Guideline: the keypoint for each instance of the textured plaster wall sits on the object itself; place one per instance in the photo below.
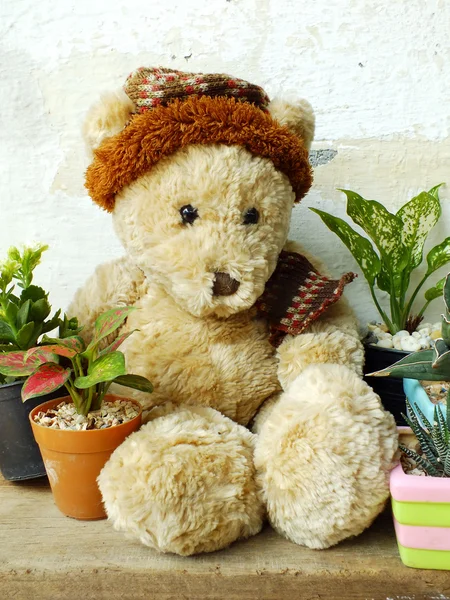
(376, 71)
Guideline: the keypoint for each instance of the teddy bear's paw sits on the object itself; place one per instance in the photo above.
(323, 457)
(184, 483)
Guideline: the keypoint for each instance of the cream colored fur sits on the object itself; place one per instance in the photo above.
(186, 482)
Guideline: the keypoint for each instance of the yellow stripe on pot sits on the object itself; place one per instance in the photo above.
(424, 514)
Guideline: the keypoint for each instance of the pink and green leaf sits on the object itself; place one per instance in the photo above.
(109, 321)
(17, 364)
(116, 343)
(105, 368)
(75, 342)
(48, 378)
(53, 349)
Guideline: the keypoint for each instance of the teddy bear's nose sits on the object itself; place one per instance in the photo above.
(224, 285)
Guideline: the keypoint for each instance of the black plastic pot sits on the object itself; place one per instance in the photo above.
(19, 454)
(390, 389)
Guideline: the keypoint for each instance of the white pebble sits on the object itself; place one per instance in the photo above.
(417, 335)
(397, 343)
(410, 344)
(402, 333)
(424, 326)
(424, 331)
(424, 343)
(386, 343)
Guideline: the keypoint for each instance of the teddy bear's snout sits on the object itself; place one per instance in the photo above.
(224, 285)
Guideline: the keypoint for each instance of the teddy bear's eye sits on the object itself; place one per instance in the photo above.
(188, 213)
(251, 216)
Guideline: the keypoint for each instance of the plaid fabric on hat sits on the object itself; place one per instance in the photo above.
(149, 87)
(296, 295)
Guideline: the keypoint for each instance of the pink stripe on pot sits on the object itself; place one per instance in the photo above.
(425, 538)
(413, 488)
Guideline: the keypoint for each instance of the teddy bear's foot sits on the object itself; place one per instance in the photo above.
(185, 482)
(323, 456)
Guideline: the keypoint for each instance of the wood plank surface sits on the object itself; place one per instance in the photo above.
(46, 556)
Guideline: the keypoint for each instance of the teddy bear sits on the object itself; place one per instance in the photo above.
(259, 409)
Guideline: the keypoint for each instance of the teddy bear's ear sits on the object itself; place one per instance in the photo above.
(107, 117)
(297, 116)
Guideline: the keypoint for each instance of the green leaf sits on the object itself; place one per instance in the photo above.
(445, 328)
(40, 310)
(417, 365)
(438, 256)
(419, 216)
(33, 292)
(48, 378)
(435, 190)
(11, 313)
(105, 368)
(384, 229)
(137, 382)
(52, 323)
(442, 356)
(109, 321)
(25, 335)
(6, 333)
(435, 291)
(358, 245)
(22, 314)
(447, 294)
(16, 364)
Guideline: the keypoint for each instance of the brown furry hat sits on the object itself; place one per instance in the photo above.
(173, 109)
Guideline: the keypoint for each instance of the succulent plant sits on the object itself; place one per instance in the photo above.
(431, 365)
(85, 372)
(399, 240)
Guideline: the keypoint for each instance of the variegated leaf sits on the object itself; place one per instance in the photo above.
(110, 320)
(419, 216)
(74, 342)
(384, 228)
(417, 365)
(359, 246)
(445, 328)
(16, 364)
(435, 291)
(438, 256)
(48, 378)
(447, 295)
(116, 343)
(105, 368)
(53, 349)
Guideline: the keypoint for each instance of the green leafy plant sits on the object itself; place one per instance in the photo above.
(25, 317)
(86, 372)
(399, 240)
(431, 365)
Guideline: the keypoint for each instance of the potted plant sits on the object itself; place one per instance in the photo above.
(24, 319)
(421, 504)
(387, 256)
(78, 433)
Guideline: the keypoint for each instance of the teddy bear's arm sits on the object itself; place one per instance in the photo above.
(333, 338)
(116, 283)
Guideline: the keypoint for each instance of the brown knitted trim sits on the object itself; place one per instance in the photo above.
(161, 131)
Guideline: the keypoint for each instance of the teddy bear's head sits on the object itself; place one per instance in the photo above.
(200, 173)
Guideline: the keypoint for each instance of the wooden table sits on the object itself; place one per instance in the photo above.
(46, 556)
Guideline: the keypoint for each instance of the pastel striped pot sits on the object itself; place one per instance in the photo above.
(421, 507)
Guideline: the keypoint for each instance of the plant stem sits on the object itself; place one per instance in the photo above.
(413, 297)
(381, 311)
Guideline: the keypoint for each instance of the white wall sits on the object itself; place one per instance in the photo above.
(376, 71)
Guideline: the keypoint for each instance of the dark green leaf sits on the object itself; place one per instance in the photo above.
(358, 245)
(105, 368)
(33, 292)
(417, 365)
(40, 310)
(52, 323)
(22, 315)
(24, 335)
(137, 382)
(447, 294)
(6, 333)
(11, 313)
(445, 327)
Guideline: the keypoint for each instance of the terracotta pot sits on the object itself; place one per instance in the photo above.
(73, 460)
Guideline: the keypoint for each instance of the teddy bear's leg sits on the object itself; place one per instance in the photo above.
(185, 482)
(323, 456)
